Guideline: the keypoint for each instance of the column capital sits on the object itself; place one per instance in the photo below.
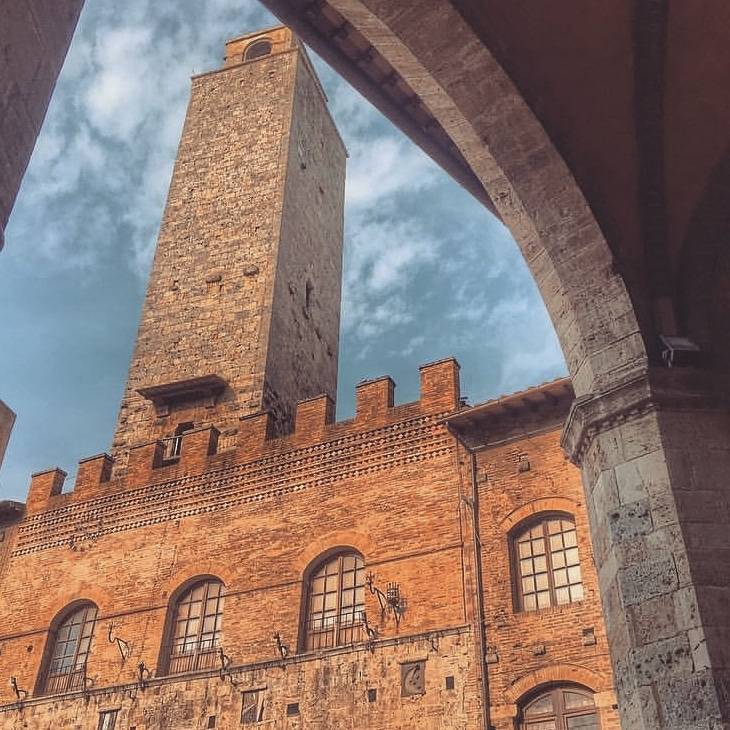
(679, 389)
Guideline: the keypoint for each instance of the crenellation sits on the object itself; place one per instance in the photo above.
(313, 416)
(440, 387)
(92, 472)
(374, 398)
(197, 447)
(43, 486)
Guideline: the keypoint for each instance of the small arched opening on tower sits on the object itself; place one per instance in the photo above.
(258, 49)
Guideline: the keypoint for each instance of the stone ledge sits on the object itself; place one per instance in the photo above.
(680, 389)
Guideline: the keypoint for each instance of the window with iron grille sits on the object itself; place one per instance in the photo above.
(560, 708)
(108, 720)
(69, 652)
(253, 707)
(547, 563)
(335, 602)
(195, 628)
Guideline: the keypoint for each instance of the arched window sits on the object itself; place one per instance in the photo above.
(335, 602)
(547, 563)
(560, 708)
(68, 651)
(257, 49)
(194, 629)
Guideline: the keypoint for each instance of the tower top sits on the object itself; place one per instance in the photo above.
(252, 46)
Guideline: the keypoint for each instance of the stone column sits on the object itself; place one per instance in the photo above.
(655, 457)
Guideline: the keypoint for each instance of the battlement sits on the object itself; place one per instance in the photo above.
(198, 451)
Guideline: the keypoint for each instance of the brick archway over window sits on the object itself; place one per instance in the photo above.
(526, 511)
(555, 674)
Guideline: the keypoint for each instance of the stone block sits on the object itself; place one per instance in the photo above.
(647, 580)
(655, 662)
(630, 520)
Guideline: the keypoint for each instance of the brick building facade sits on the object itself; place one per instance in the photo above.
(241, 558)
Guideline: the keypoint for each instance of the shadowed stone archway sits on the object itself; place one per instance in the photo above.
(639, 432)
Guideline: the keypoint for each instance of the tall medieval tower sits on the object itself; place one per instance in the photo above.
(242, 309)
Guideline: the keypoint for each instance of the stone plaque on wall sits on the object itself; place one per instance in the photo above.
(413, 678)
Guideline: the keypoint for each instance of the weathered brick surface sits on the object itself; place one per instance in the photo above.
(508, 497)
(34, 38)
(246, 279)
(389, 483)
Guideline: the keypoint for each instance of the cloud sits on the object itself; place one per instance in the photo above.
(118, 95)
(382, 167)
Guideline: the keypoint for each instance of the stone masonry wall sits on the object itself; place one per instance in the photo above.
(211, 296)
(305, 316)
(330, 691)
(34, 38)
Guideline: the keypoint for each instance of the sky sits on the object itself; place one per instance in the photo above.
(428, 271)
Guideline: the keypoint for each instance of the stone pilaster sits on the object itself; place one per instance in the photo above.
(655, 455)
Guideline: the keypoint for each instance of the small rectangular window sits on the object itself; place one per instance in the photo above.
(108, 719)
(372, 695)
(253, 707)
(292, 709)
(449, 682)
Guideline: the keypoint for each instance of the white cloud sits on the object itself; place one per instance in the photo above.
(381, 167)
(116, 99)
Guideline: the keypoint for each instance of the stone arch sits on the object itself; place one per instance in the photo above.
(531, 186)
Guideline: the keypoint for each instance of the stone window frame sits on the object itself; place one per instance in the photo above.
(559, 712)
(541, 519)
(83, 614)
(206, 650)
(318, 630)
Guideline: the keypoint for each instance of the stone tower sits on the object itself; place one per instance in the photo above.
(242, 308)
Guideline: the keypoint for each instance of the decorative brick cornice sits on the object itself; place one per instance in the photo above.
(656, 389)
(286, 472)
